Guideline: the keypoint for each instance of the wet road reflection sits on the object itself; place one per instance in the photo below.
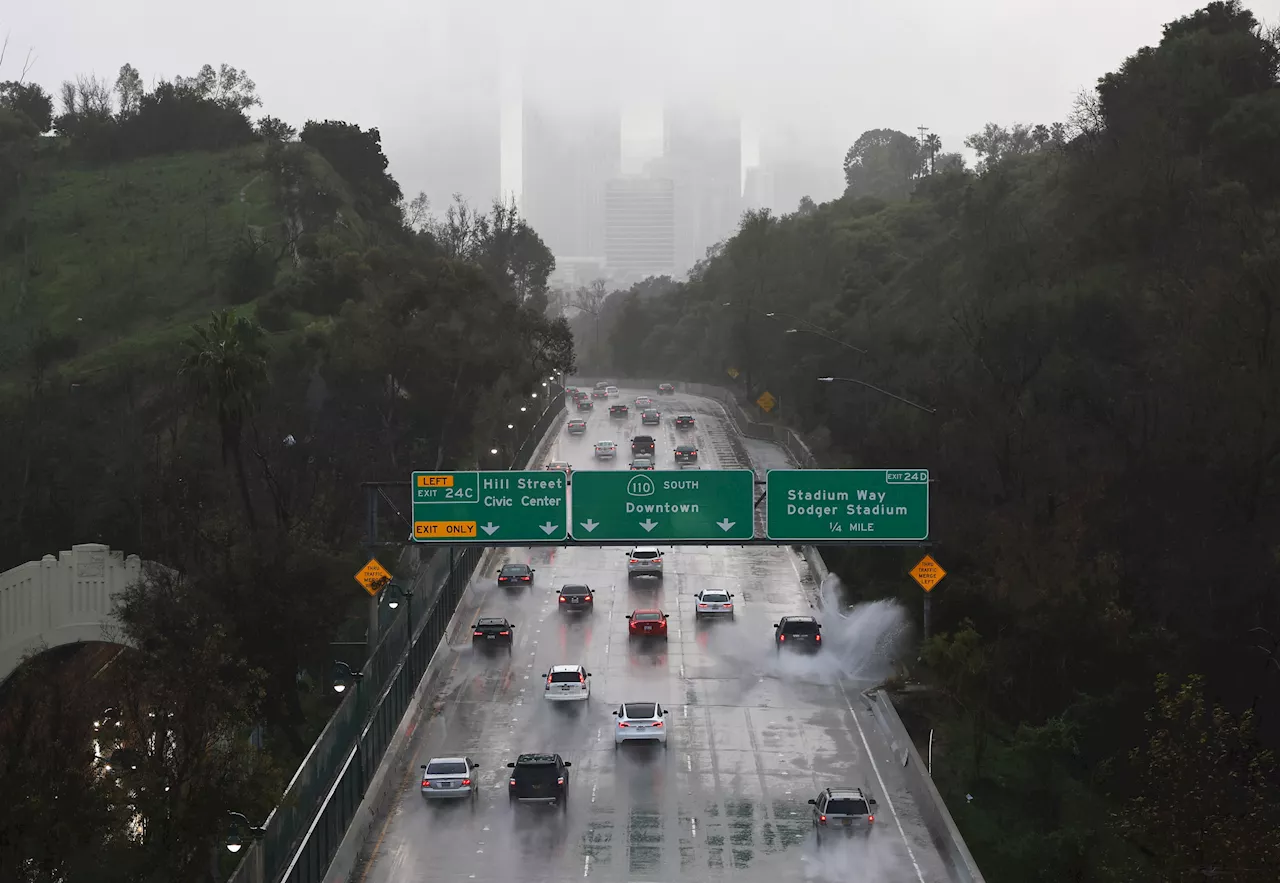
(751, 735)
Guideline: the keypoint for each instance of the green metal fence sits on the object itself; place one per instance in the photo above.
(303, 833)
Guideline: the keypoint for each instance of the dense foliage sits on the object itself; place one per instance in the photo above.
(1093, 314)
(344, 341)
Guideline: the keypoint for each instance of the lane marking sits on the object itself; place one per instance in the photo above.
(884, 791)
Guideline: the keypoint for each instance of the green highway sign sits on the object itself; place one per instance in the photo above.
(847, 504)
(494, 507)
(664, 505)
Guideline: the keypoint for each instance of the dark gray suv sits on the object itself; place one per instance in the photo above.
(842, 812)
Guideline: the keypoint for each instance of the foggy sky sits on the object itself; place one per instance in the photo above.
(812, 74)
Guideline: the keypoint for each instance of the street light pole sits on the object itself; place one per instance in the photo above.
(824, 336)
(886, 392)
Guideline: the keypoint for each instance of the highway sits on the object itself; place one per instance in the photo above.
(752, 735)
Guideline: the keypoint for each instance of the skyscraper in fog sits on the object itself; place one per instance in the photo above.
(458, 113)
(702, 153)
(566, 157)
(639, 228)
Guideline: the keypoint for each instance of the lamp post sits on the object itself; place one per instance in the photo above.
(344, 676)
(395, 593)
(891, 395)
(824, 336)
(234, 841)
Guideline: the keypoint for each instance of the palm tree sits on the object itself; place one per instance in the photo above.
(227, 368)
(932, 146)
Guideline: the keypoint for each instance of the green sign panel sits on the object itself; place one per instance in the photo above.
(847, 504)
(492, 507)
(664, 505)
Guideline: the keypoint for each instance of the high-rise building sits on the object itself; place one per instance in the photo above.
(757, 189)
(702, 154)
(454, 144)
(566, 159)
(639, 228)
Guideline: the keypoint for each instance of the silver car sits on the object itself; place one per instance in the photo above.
(644, 561)
(450, 777)
(713, 602)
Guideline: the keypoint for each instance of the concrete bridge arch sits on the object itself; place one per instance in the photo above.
(62, 600)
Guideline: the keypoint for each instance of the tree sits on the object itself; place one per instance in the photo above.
(275, 129)
(129, 90)
(996, 143)
(29, 100)
(226, 366)
(357, 156)
(1203, 796)
(882, 163)
(516, 256)
(417, 212)
(227, 87)
(962, 664)
(590, 299)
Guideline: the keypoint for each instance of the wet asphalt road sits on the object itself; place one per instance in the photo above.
(752, 736)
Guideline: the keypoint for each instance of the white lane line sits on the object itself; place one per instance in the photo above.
(586, 865)
(884, 791)
(593, 791)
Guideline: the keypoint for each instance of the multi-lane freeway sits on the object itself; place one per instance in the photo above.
(753, 735)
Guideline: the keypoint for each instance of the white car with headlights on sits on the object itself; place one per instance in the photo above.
(568, 683)
(640, 721)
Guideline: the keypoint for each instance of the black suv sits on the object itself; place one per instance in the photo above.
(686, 454)
(666, 389)
(493, 630)
(618, 410)
(797, 633)
(684, 421)
(539, 778)
(642, 445)
(575, 598)
(842, 812)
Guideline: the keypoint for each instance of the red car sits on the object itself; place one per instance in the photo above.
(647, 623)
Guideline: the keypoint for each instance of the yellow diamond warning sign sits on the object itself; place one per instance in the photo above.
(732, 372)
(373, 576)
(928, 573)
(766, 401)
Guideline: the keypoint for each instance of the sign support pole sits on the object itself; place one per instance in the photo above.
(928, 615)
(371, 527)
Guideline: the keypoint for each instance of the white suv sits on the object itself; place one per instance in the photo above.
(644, 561)
(568, 683)
(606, 449)
(612, 391)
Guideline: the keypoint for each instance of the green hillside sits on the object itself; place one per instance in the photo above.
(120, 258)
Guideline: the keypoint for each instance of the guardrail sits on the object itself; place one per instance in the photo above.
(303, 832)
(933, 809)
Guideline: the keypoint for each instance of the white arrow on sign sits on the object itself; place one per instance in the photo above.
(725, 524)
(648, 524)
(548, 528)
(590, 525)
(489, 528)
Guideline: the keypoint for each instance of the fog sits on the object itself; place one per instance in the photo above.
(442, 78)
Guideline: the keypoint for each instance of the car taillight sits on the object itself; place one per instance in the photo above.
(871, 818)
(582, 679)
(560, 781)
(479, 634)
(504, 633)
(588, 598)
(817, 637)
(466, 781)
(426, 783)
(623, 724)
(822, 820)
(728, 603)
(700, 604)
(635, 560)
(657, 560)
(657, 723)
(562, 599)
(525, 578)
(782, 637)
(513, 783)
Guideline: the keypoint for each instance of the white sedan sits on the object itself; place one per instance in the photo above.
(640, 720)
(606, 449)
(568, 683)
(713, 602)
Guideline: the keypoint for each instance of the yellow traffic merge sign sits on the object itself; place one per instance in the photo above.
(766, 401)
(928, 573)
(373, 576)
(733, 372)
